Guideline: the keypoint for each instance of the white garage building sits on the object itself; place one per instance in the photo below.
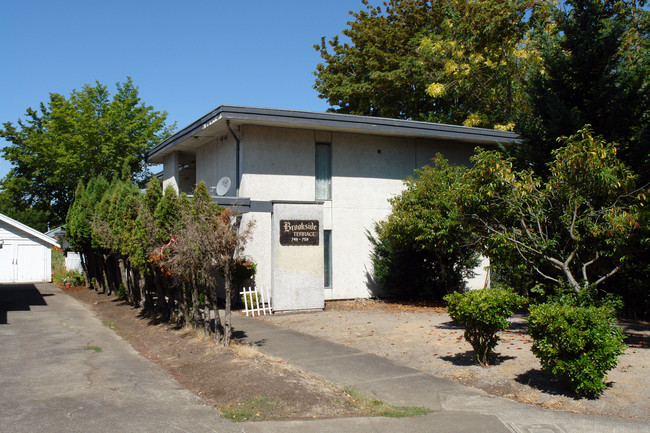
(313, 183)
(25, 255)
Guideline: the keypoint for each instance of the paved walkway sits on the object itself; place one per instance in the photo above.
(52, 380)
(458, 408)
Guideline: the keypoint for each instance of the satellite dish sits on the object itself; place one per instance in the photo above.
(223, 186)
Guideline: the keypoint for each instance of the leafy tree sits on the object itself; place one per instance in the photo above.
(445, 61)
(209, 244)
(378, 73)
(423, 249)
(79, 226)
(75, 139)
(575, 226)
(476, 62)
(594, 70)
(34, 218)
(167, 215)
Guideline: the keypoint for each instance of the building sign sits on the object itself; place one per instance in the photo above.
(299, 232)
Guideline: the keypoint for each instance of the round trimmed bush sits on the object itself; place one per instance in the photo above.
(483, 313)
(576, 344)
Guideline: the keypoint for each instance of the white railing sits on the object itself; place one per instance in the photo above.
(256, 300)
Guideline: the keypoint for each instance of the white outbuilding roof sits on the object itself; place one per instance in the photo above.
(28, 230)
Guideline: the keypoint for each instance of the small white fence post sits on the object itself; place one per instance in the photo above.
(259, 301)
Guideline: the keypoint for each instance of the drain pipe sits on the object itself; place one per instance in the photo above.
(236, 158)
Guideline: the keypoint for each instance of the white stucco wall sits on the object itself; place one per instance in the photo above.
(170, 171)
(258, 247)
(279, 164)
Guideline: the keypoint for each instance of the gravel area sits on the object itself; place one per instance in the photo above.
(427, 339)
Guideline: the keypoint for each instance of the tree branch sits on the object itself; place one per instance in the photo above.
(604, 277)
(584, 268)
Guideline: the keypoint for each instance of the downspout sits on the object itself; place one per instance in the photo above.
(236, 158)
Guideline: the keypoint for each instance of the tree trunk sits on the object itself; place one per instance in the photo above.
(161, 302)
(183, 309)
(207, 320)
(171, 304)
(196, 317)
(218, 326)
(227, 334)
(148, 292)
(137, 290)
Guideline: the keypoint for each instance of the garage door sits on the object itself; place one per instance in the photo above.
(22, 263)
(30, 263)
(7, 266)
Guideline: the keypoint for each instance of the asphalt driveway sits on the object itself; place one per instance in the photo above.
(62, 370)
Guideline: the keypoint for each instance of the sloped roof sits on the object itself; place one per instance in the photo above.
(26, 229)
(214, 124)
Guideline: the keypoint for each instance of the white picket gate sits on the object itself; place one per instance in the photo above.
(263, 303)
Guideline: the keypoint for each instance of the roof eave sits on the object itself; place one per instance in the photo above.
(332, 121)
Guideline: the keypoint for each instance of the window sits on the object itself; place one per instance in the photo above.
(323, 171)
(327, 243)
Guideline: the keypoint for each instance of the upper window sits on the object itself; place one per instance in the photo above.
(323, 171)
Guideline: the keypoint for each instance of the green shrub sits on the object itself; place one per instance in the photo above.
(245, 270)
(483, 313)
(58, 260)
(63, 277)
(590, 296)
(251, 299)
(576, 344)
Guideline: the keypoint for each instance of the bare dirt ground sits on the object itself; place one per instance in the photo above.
(420, 337)
(426, 338)
(222, 377)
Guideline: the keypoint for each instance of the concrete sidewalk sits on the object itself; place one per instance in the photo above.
(52, 380)
(458, 408)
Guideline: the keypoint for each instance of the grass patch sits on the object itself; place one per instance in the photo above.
(95, 348)
(375, 407)
(260, 407)
(249, 410)
(109, 325)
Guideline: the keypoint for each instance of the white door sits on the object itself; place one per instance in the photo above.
(8, 263)
(30, 263)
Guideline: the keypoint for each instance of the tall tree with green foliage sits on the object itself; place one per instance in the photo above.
(75, 139)
(443, 61)
(476, 62)
(424, 249)
(594, 70)
(378, 72)
(79, 226)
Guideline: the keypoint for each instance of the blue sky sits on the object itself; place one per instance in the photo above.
(186, 57)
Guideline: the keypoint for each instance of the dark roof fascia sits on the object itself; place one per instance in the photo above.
(188, 131)
(283, 117)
